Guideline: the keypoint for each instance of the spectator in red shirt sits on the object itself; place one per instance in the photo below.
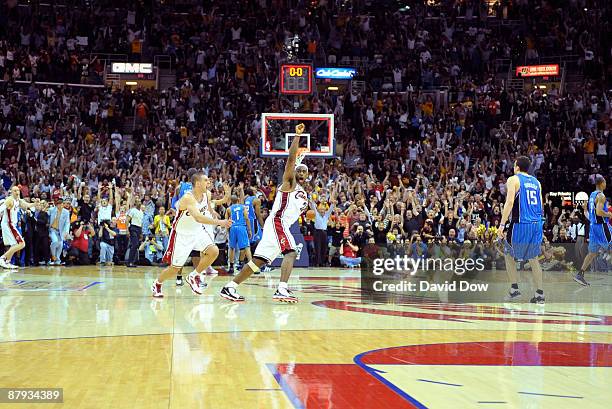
(77, 255)
(56, 191)
(348, 253)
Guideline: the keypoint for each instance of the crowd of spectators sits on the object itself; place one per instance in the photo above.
(411, 169)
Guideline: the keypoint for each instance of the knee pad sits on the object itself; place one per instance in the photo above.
(253, 266)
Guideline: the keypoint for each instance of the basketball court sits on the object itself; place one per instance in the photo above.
(98, 334)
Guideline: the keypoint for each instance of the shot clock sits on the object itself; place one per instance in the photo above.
(296, 79)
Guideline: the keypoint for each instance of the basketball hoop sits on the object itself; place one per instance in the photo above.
(278, 131)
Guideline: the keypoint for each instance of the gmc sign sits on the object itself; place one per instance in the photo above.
(131, 68)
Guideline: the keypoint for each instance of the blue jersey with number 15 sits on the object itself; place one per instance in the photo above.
(528, 203)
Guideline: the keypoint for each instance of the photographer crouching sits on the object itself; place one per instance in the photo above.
(153, 251)
(78, 253)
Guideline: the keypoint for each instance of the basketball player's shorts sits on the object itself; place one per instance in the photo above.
(276, 239)
(10, 235)
(211, 231)
(181, 245)
(256, 231)
(238, 237)
(524, 240)
(599, 237)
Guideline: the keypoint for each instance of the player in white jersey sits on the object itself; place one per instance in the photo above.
(188, 233)
(209, 212)
(290, 202)
(10, 235)
(212, 213)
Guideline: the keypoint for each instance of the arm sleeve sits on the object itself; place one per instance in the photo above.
(329, 211)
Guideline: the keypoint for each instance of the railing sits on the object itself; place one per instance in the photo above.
(109, 57)
(559, 59)
(500, 65)
(57, 84)
(162, 61)
(562, 85)
(512, 23)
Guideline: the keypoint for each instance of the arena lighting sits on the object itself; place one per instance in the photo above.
(332, 88)
(131, 83)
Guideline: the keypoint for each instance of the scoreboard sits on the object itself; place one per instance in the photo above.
(296, 79)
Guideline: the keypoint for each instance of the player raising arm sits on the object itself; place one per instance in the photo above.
(289, 203)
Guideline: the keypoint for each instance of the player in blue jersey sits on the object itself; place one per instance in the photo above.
(239, 233)
(599, 231)
(523, 235)
(253, 205)
(183, 188)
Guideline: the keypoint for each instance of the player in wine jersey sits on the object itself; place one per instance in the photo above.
(600, 238)
(523, 235)
(9, 210)
(239, 233)
(188, 234)
(290, 202)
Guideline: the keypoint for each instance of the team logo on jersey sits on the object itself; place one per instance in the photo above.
(301, 195)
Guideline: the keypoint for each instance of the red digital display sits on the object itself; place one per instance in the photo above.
(296, 79)
(537, 70)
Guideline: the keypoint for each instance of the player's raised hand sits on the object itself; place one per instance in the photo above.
(299, 128)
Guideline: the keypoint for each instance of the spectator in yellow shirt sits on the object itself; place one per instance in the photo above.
(427, 107)
(589, 151)
(161, 227)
